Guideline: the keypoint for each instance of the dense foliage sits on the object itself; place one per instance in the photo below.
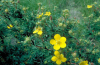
(41, 36)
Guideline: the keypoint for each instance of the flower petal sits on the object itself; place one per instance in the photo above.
(57, 37)
(89, 6)
(54, 58)
(63, 59)
(40, 32)
(62, 45)
(52, 41)
(86, 61)
(35, 31)
(56, 47)
(83, 63)
(56, 53)
(58, 61)
(62, 39)
(11, 25)
(8, 27)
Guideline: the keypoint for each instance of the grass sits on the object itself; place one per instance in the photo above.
(32, 4)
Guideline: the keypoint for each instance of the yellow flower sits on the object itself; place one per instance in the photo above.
(83, 63)
(59, 58)
(39, 16)
(38, 30)
(89, 6)
(8, 27)
(47, 14)
(99, 60)
(58, 42)
(11, 25)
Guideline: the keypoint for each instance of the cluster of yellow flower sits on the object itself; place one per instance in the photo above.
(58, 42)
(40, 15)
(38, 30)
(59, 58)
(10, 26)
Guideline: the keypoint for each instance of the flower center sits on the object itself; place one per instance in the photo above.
(39, 29)
(58, 42)
(59, 57)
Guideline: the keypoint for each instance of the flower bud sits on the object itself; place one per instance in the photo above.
(66, 11)
(70, 49)
(93, 52)
(95, 2)
(70, 32)
(13, 2)
(74, 54)
(95, 20)
(99, 60)
(98, 33)
(55, 7)
(2, 1)
(37, 23)
(64, 25)
(45, 62)
(24, 8)
(67, 21)
(88, 50)
(60, 24)
(39, 4)
(6, 10)
(43, 18)
(98, 19)
(76, 59)
(43, 7)
(27, 39)
(82, 14)
(97, 50)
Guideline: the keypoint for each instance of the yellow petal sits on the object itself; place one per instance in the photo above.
(42, 14)
(56, 53)
(83, 63)
(11, 25)
(57, 37)
(89, 6)
(52, 41)
(56, 47)
(47, 14)
(54, 58)
(62, 45)
(40, 32)
(62, 39)
(63, 59)
(86, 61)
(8, 27)
(35, 31)
(99, 60)
(58, 61)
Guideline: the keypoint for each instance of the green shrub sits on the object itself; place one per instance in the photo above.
(42, 36)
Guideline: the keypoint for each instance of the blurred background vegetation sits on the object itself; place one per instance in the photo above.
(61, 4)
